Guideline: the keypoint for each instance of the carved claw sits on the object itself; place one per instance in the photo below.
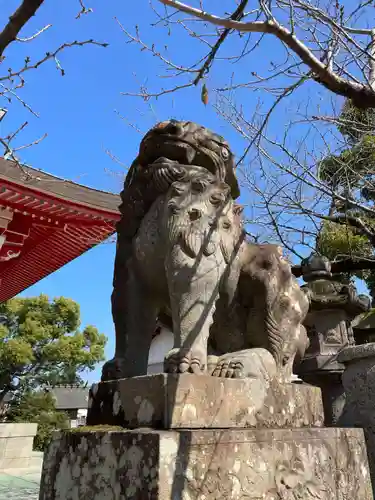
(250, 363)
(229, 369)
(185, 360)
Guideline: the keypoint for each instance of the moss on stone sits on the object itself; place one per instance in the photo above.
(96, 428)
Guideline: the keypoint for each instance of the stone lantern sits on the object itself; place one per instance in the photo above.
(333, 306)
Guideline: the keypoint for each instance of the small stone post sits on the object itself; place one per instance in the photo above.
(359, 385)
(333, 306)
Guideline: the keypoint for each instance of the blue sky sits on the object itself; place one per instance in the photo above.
(78, 111)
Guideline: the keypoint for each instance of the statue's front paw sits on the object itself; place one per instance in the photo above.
(229, 368)
(253, 363)
(114, 369)
(182, 360)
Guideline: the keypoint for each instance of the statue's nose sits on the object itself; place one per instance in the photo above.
(195, 214)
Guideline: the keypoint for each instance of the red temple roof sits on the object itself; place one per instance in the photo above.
(45, 222)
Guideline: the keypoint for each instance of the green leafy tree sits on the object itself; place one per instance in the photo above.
(350, 230)
(41, 343)
(336, 241)
(38, 407)
(68, 377)
(353, 170)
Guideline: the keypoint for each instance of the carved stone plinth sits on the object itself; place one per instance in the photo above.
(233, 464)
(359, 384)
(167, 401)
(216, 439)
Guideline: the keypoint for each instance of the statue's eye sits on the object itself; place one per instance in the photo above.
(225, 153)
(198, 185)
(216, 199)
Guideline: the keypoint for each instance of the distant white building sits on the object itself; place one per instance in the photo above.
(73, 400)
(161, 344)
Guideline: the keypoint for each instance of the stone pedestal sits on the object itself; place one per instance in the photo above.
(199, 402)
(308, 464)
(198, 437)
(359, 384)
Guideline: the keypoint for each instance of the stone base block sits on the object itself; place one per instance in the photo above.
(33, 461)
(16, 446)
(199, 401)
(18, 430)
(289, 464)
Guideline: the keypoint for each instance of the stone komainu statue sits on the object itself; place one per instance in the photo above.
(235, 307)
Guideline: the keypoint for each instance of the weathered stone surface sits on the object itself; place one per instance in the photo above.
(197, 401)
(294, 464)
(359, 384)
(359, 352)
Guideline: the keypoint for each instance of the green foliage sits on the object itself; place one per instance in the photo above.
(351, 174)
(55, 376)
(41, 342)
(356, 122)
(355, 164)
(39, 407)
(337, 240)
(352, 166)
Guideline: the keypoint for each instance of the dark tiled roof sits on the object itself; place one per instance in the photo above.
(70, 397)
(48, 222)
(60, 188)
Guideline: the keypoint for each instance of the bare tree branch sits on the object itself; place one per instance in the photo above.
(285, 140)
(51, 55)
(361, 94)
(12, 79)
(236, 16)
(17, 21)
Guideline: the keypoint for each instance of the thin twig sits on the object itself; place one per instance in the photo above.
(84, 10)
(32, 37)
(50, 55)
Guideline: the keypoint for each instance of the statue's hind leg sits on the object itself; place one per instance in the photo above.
(134, 313)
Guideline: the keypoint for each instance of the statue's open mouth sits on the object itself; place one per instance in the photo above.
(168, 146)
(176, 149)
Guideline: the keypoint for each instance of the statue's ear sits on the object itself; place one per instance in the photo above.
(231, 179)
(131, 172)
(238, 209)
